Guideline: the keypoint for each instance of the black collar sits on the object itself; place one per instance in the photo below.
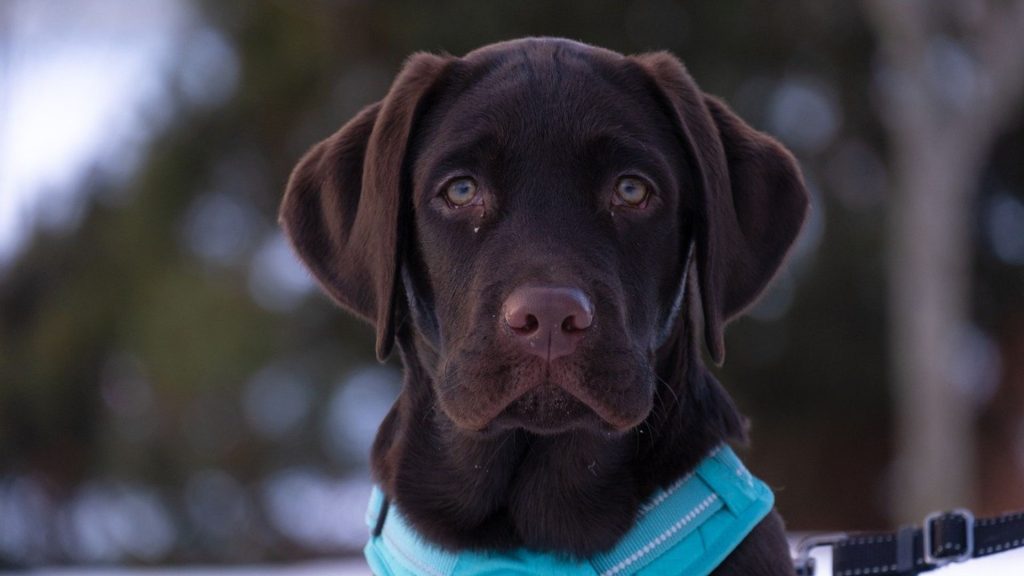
(944, 538)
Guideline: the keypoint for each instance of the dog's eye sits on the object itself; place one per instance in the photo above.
(631, 191)
(460, 192)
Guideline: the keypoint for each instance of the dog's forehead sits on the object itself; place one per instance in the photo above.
(542, 96)
(549, 78)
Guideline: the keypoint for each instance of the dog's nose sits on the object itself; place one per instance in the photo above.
(548, 321)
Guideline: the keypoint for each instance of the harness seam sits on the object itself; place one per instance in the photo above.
(647, 548)
(398, 548)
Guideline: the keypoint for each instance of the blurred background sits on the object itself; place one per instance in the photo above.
(174, 389)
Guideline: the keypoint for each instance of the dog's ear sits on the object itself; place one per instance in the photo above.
(343, 203)
(751, 203)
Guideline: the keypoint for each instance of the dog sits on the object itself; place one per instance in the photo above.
(522, 223)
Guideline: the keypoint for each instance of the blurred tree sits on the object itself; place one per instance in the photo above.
(952, 77)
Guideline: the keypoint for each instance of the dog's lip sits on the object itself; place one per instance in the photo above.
(547, 409)
(600, 408)
(472, 411)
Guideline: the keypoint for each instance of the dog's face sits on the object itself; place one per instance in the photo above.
(530, 209)
(547, 195)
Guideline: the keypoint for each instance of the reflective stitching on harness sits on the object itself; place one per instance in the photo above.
(661, 497)
(664, 495)
(647, 548)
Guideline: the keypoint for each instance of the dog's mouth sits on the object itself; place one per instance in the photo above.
(546, 410)
(602, 392)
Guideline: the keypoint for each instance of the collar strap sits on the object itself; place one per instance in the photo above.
(944, 538)
(689, 527)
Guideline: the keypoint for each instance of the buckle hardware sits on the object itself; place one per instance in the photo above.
(805, 565)
(926, 533)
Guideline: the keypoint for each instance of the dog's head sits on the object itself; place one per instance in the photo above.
(531, 209)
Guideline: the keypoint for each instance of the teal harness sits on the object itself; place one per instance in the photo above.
(687, 529)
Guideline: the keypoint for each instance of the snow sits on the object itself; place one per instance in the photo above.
(1005, 564)
(350, 567)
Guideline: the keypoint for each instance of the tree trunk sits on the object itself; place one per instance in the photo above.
(929, 288)
(953, 73)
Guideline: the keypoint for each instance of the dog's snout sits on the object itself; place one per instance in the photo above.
(548, 321)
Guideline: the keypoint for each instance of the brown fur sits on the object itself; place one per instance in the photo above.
(488, 447)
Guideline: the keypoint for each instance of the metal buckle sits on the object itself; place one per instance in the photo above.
(968, 551)
(804, 563)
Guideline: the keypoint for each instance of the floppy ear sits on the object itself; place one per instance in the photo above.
(343, 204)
(751, 203)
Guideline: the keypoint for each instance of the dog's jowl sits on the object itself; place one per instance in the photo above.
(539, 227)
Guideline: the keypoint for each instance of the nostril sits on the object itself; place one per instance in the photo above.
(521, 321)
(580, 317)
(530, 325)
(570, 324)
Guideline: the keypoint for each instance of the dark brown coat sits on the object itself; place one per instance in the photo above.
(489, 446)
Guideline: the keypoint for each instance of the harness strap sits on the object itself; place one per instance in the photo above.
(687, 528)
(944, 538)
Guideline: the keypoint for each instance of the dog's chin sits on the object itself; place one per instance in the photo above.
(548, 410)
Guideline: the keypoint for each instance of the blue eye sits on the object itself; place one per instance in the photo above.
(631, 191)
(460, 192)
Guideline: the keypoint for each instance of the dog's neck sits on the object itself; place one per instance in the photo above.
(494, 492)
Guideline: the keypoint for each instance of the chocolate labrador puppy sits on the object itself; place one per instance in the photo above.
(520, 222)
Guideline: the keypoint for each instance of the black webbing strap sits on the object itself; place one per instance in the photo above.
(946, 537)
